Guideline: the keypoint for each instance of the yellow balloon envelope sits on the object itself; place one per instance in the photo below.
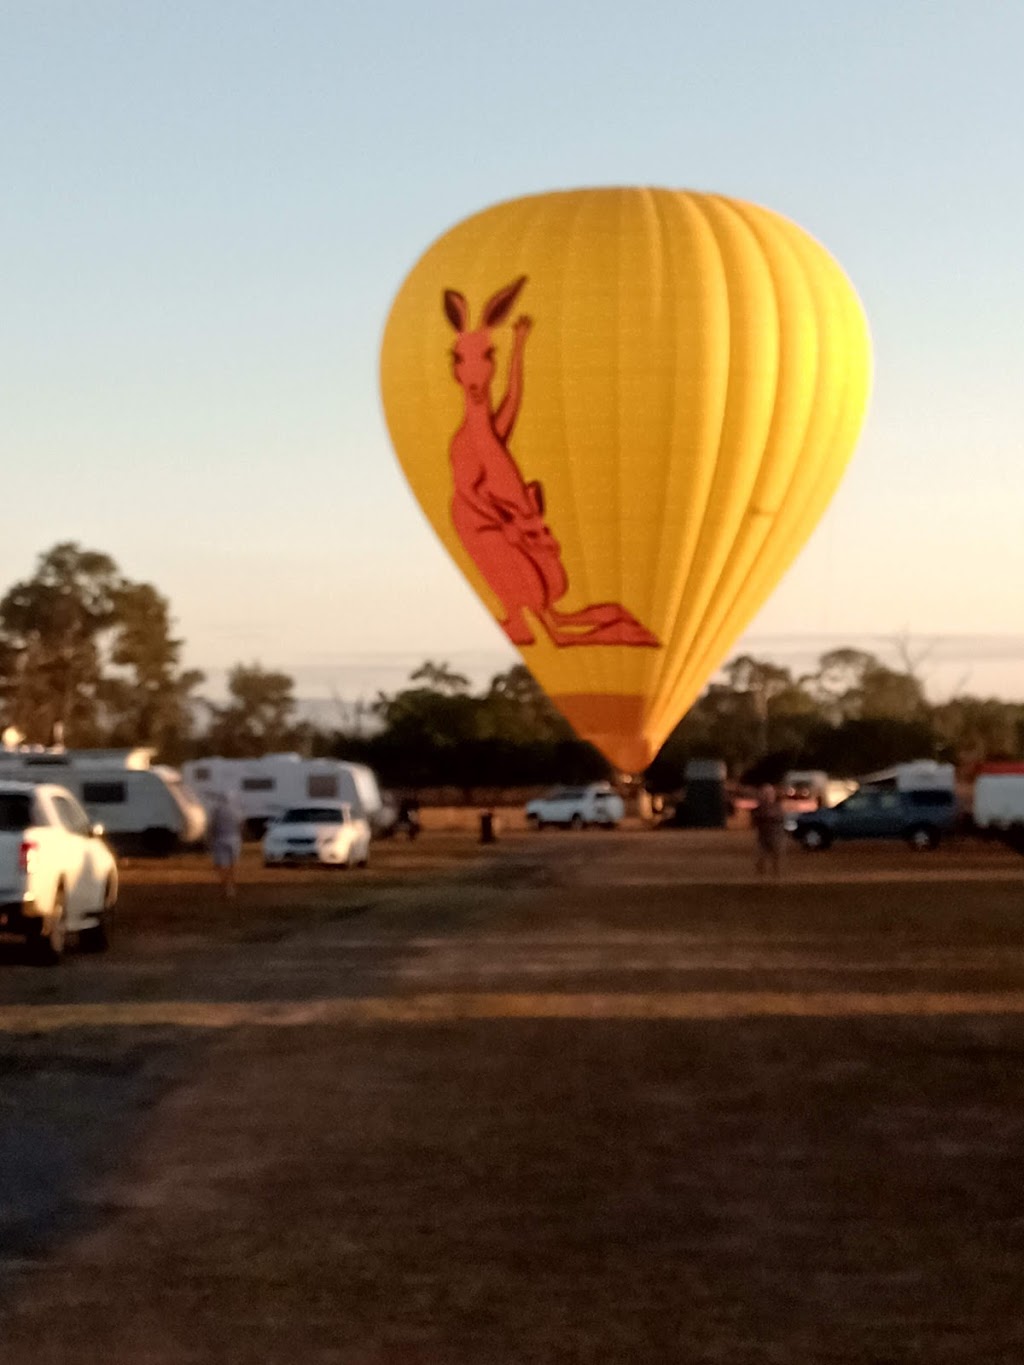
(623, 412)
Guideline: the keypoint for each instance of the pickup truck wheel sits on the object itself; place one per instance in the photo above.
(48, 948)
(923, 837)
(576, 822)
(96, 939)
(815, 839)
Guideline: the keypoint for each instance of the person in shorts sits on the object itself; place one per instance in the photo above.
(225, 839)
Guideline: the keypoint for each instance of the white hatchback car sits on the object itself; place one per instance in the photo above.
(326, 832)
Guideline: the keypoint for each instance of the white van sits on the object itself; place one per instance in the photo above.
(142, 809)
(265, 787)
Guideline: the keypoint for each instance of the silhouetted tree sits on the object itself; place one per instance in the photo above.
(87, 655)
(258, 715)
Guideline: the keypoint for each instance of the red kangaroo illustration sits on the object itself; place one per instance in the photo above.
(499, 517)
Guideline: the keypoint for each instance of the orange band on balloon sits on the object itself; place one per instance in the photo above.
(613, 722)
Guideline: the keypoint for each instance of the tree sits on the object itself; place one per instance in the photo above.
(762, 682)
(86, 656)
(441, 678)
(884, 692)
(149, 701)
(837, 684)
(258, 716)
(516, 708)
(52, 628)
(976, 728)
(867, 743)
(437, 734)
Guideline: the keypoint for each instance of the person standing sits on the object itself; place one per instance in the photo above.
(769, 820)
(225, 839)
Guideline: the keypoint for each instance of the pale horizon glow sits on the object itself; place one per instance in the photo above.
(209, 209)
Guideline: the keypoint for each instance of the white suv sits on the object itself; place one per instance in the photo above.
(576, 807)
(57, 876)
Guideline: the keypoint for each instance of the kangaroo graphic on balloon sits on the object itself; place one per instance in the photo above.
(498, 515)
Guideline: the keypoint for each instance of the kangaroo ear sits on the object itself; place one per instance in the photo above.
(499, 305)
(456, 309)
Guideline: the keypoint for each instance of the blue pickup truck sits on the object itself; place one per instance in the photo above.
(923, 818)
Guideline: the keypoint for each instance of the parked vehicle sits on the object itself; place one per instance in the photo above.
(922, 774)
(997, 809)
(57, 876)
(811, 789)
(922, 817)
(577, 807)
(143, 809)
(998, 800)
(266, 787)
(323, 833)
(703, 802)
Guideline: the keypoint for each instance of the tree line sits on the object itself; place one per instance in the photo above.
(89, 657)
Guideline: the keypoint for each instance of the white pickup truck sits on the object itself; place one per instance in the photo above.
(57, 876)
(576, 807)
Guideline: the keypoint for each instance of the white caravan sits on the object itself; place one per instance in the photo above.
(264, 788)
(142, 808)
(999, 799)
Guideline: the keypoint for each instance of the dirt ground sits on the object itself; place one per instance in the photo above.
(574, 1098)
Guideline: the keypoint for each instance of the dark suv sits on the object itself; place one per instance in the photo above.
(922, 818)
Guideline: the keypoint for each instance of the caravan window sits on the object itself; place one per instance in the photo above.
(202, 774)
(257, 784)
(104, 793)
(322, 786)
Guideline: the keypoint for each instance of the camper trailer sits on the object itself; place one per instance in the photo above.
(922, 774)
(265, 787)
(998, 804)
(143, 808)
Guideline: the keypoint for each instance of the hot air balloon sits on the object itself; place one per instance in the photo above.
(623, 411)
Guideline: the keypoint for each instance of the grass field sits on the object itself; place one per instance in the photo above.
(587, 1098)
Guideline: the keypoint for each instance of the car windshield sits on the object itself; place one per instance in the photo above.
(313, 815)
(15, 812)
(565, 794)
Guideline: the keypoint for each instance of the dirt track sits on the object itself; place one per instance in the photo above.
(585, 1098)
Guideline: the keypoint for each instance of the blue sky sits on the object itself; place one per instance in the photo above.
(208, 207)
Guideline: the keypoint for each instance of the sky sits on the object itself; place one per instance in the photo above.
(208, 206)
